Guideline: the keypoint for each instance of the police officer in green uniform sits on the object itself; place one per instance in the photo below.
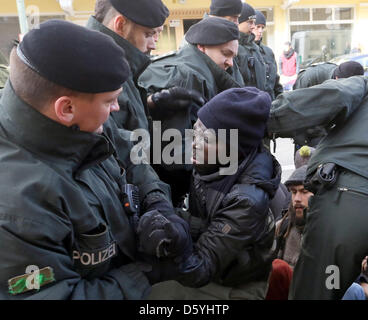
(317, 74)
(69, 199)
(250, 60)
(134, 26)
(204, 65)
(273, 86)
(335, 237)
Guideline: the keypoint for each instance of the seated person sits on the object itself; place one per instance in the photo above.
(231, 223)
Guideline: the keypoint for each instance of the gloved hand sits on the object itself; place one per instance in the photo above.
(164, 236)
(176, 98)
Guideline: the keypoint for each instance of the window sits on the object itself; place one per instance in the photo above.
(321, 33)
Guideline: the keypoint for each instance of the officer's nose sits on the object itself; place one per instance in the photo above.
(115, 107)
(151, 44)
(229, 63)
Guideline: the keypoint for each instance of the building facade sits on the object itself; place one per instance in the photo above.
(316, 27)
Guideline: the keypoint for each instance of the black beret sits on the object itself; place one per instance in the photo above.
(212, 31)
(147, 13)
(260, 18)
(247, 13)
(348, 69)
(224, 8)
(74, 57)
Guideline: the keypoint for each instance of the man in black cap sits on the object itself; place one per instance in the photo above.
(250, 60)
(273, 86)
(289, 229)
(203, 65)
(317, 74)
(69, 208)
(229, 215)
(134, 26)
(334, 239)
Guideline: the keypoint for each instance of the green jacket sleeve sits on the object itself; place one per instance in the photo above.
(323, 105)
(26, 242)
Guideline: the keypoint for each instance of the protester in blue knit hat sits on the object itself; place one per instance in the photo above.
(230, 217)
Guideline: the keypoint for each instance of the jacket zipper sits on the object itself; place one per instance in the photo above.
(344, 189)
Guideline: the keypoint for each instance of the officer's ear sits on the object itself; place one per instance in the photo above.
(119, 25)
(64, 110)
(201, 48)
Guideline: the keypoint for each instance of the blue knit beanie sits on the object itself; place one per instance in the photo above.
(246, 109)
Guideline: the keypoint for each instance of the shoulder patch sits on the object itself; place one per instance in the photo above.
(163, 56)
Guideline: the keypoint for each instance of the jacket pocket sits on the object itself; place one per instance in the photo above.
(94, 251)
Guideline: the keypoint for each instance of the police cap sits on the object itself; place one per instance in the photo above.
(212, 31)
(74, 57)
(224, 8)
(147, 13)
(260, 18)
(247, 13)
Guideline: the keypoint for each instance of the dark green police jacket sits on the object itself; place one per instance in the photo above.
(191, 69)
(61, 207)
(273, 86)
(251, 63)
(133, 113)
(341, 106)
(313, 75)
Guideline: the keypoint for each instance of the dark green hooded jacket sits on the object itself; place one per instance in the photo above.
(313, 75)
(341, 107)
(61, 207)
(251, 63)
(133, 113)
(273, 86)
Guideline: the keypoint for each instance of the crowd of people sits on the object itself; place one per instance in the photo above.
(91, 223)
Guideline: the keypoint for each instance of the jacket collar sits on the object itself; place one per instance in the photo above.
(49, 140)
(246, 39)
(137, 60)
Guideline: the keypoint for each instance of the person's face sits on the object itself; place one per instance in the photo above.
(234, 19)
(223, 55)
(143, 38)
(258, 31)
(247, 26)
(299, 199)
(93, 110)
(204, 145)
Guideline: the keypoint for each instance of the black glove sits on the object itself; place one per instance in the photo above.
(164, 236)
(176, 98)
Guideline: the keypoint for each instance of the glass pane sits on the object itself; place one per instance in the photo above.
(317, 43)
(300, 14)
(344, 13)
(321, 14)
